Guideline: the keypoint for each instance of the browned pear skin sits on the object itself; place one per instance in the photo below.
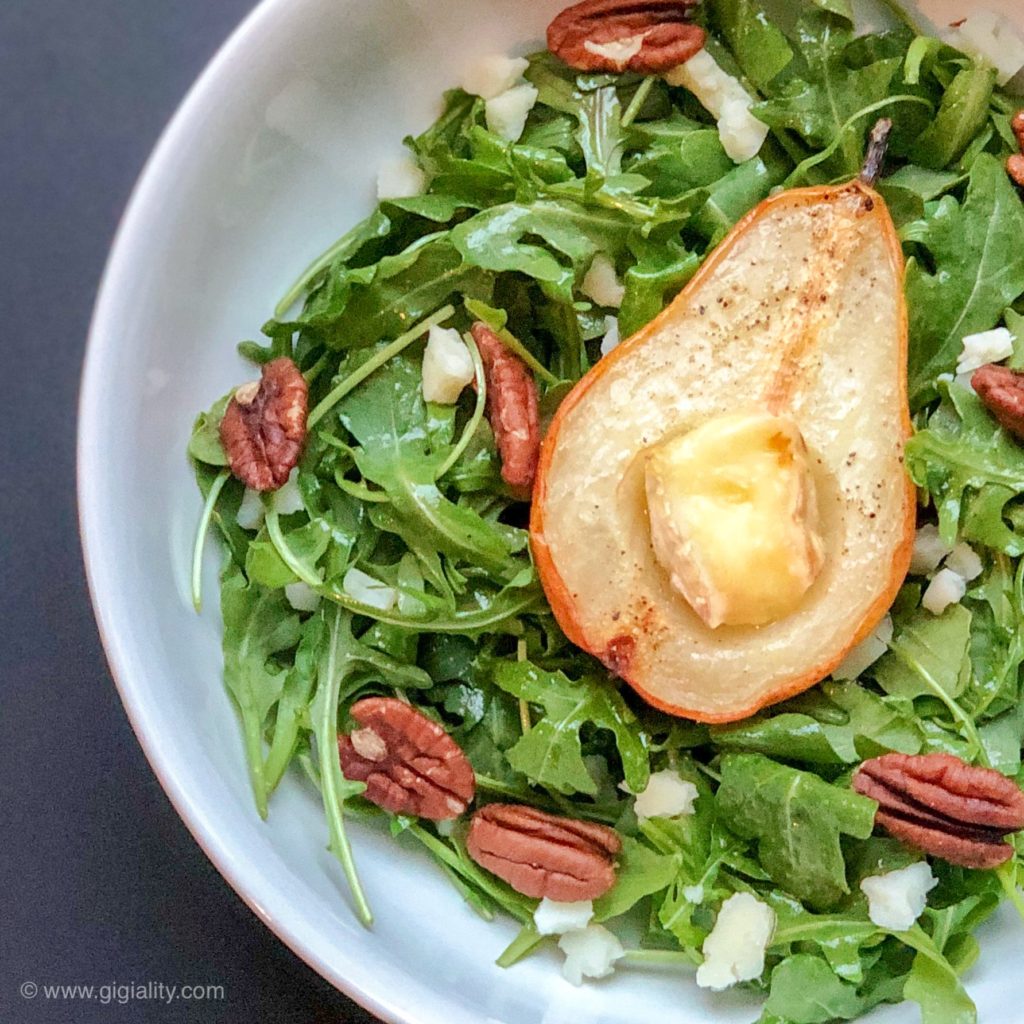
(627, 637)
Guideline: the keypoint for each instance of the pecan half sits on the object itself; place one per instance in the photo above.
(264, 426)
(513, 409)
(1001, 391)
(1017, 126)
(410, 764)
(1015, 165)
(1015, 168)
(645, 36)
(944, 806)
(540, 854)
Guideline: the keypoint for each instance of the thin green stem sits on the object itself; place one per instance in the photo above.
(521, 946)
(657, 956)
(525, 721)
(332, 781)
(638, 100)
(496, 786)
(478, 411)
(361, 491)
(277, 538)
(354, 379)
(200, 542)
(316, 369)
(311, 273)
(471, 873)
(467, 620)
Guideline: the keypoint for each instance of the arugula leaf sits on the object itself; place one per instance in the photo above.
(961, 116)
(789, 736)
(928, 656)
(204, 445)
(875, 724)
(641, 872)
(974, 269)
(760, 47)
(308, 542)
(652, 282)
(258, 624)
(551, 754)
(844, 938)
(796, 819)
(496, 240)
(820, 97)
(935, 985)
(804, 990)
(600, 132)
(365, 305)
(997, 653)
(972, 469)
(388, 417)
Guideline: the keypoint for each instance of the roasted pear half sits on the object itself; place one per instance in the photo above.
(722, 511)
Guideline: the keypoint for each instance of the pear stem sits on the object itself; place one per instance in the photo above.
(878, 145)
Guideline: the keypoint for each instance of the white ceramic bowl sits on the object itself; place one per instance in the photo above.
(270, 158)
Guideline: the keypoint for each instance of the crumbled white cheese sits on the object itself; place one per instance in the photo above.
(867, 652)
(400, 179)
(666, 796)
(724, 97)
(896, 900)
(964, 561)
(288, 498)
(445, 828)
(993, 38)
(553, 918)
(693, 893)
(590, 952)
(734, 951)
(506, 114)
(302, 597)
(946, 588)
(619, 51)
(741, 134)
(988, 347)
(929, 550)
(369, 591)
(602, 284)
(492, 74)
(251, 511)
(447, 366)
(611, 339)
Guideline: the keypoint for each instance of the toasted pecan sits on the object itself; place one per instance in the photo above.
(543, 855)
(944, 806)
(409, 763)
(264, 426)
(645, 36)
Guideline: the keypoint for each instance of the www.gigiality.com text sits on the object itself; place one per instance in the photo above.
(122, 993)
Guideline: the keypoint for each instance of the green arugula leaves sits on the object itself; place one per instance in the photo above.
(796, 819)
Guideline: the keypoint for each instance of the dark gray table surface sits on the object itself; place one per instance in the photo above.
(100, 883)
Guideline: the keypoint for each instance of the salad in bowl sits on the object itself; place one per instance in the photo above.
(628, 512)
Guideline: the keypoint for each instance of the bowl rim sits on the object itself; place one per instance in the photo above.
(350, 976)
